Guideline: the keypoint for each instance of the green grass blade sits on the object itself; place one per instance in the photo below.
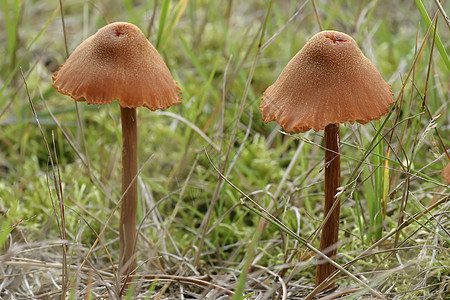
(175, 18)
(164, 15)
(19, 63)
(427, 20)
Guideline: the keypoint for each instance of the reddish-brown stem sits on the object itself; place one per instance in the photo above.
(127, 230)
(330, 230)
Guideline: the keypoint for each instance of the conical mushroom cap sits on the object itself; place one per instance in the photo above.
(329, 81)
(446, 173)
(118, 62)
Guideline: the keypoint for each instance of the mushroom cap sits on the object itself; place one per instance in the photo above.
(446, 173)
(329, 81)
(118, 62)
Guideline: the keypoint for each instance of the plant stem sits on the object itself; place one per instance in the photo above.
(330, 230)
(128, 209)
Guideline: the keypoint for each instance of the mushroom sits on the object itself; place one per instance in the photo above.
(328, 82)
(119, 63)
(446, 173)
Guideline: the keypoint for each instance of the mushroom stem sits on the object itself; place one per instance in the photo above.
(127, 230)
(330, 230)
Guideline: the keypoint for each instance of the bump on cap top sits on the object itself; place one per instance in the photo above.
(118, 62)
(329, 81)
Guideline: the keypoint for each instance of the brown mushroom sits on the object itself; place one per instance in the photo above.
(446, 173)
(119, 63)
(328, 82)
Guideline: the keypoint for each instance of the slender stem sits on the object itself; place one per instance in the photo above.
(128, 209)
(330, 230)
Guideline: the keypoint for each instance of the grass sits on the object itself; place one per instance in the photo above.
(222, 55)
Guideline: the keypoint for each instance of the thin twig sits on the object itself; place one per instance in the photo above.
(258, 209)
(441, 9)
(379, 242)
(58, 186)
(316, 13)
(191, 280)
(190, 124)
